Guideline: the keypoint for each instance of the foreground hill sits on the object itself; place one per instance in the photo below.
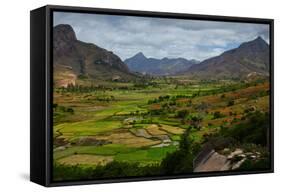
(249, 58)
(165, 66)
(74, 59)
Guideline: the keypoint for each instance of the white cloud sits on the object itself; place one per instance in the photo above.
(158, 37)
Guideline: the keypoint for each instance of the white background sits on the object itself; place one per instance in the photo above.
(14, 94)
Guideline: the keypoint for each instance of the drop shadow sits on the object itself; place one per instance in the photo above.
(24, 176)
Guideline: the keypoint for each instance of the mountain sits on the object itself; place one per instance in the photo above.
(249, 58)
(74, 59)
(165, 66)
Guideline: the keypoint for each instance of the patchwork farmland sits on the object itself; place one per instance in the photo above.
(142, 124)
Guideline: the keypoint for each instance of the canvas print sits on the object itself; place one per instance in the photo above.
(143, 96)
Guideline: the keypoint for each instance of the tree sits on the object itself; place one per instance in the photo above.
(230, 103)
(55, 106)
(70, 110)
(217, 115)
(253, 129)
(195, 121)
(182, 113)
(180, 161)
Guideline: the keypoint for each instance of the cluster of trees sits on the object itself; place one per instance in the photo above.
(251, 133)
(105, 98)
(60, 108)
(217, 115)
(230, 103)
(181, 161)
(172, 100)
(78, 88)
(145, 84)
(113, 169)
(261, 164)
(169, 101)
(157, 111)
(87, 89)
(159, 99)
(260, 94)
(231, 87)
(193, 120)
(254, 128)
(60, 112)
(182, 114)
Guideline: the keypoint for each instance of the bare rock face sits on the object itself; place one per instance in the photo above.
(64, 39)
(214, 161)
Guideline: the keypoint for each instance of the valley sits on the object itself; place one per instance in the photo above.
(153, 117)
(142, 123)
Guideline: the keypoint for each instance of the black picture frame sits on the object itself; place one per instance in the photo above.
(41, 22)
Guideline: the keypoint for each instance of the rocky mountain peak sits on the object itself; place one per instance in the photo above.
(63, 40)
(259, 44)
(251, 56)
(87, 59)
(64, 32)
(259, 38)
(164, 66)
(139, 55)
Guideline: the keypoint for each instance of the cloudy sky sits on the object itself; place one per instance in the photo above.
(157, 37)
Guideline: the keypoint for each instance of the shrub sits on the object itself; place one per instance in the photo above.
(82, 76)
(55, 106)
(261, 164)
(182, 113)
(217, 115)
(70, 110)
(230, 103)
(195, 121)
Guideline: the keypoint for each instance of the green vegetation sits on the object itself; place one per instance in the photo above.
(181, 161)
(111, 170)
(155, 126)
(253, 129)
(261, 164)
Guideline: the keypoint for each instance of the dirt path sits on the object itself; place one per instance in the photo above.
(165, 139)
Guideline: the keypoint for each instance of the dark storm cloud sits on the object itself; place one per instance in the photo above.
(156, 37)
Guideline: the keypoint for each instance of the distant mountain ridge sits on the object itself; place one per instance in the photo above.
(250, 57)
(74, 59)
(166, 66)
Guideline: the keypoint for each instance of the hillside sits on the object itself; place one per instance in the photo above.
(74, 59)
(249, 58)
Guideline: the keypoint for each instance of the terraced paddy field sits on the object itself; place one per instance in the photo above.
(143, 125)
